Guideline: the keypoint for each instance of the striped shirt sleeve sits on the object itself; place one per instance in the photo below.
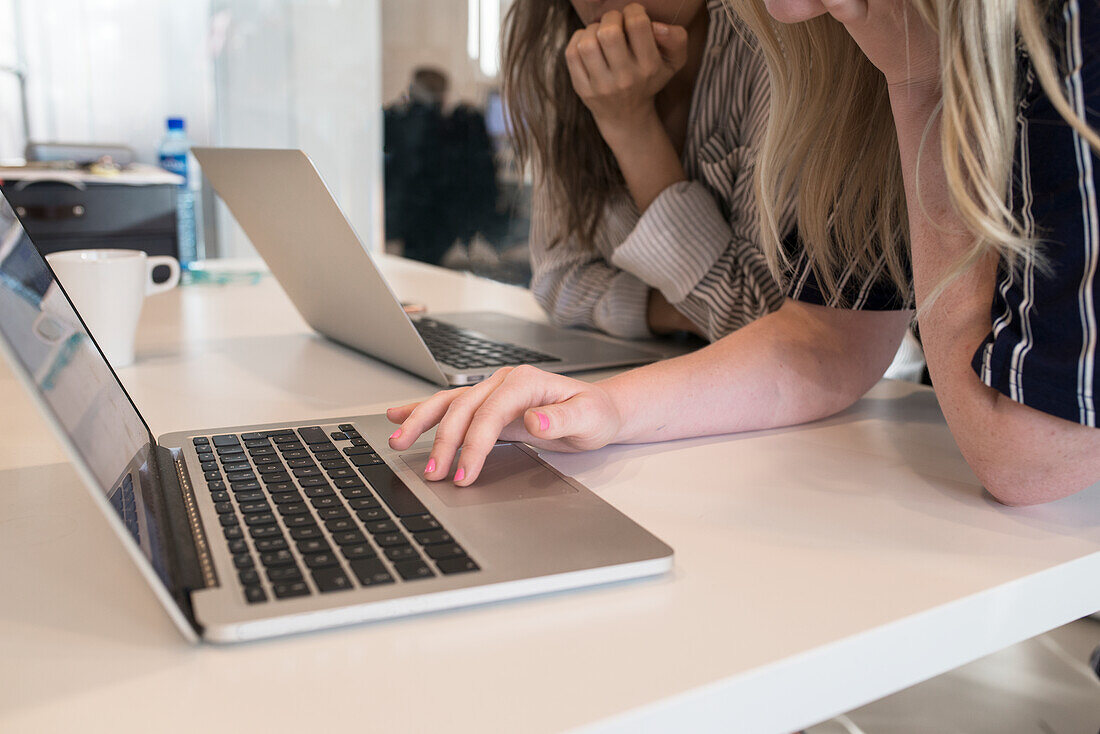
(1041, 351)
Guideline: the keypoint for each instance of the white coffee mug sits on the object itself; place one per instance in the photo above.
(108, 288)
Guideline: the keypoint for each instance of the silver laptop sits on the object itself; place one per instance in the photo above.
(284, 207)
(260, 530)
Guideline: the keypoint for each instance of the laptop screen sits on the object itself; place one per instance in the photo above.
(50, 344)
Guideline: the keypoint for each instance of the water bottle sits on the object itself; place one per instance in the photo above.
(175, 157)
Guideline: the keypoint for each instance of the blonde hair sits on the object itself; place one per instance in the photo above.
(831, 141)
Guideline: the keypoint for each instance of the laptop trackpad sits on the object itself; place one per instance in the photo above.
(509, 474)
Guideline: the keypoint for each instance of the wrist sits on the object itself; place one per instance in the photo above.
(618, 392)
(626, 130)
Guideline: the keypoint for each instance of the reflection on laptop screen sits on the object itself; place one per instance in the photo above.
(46, 338)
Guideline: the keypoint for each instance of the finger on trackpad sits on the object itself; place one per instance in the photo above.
(509, 474)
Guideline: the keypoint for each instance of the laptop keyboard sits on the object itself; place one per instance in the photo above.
(307, 512)
(465, 349)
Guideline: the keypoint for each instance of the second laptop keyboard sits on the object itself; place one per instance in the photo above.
(465, 349)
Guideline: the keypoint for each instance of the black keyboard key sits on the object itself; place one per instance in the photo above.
(393, 491)
(280, 487)
(433, 537)
(298, 521)
(215, 485)
(313, 434)
(390, 539)
(381, 526)
(371, 572)
(337, 436)
(356, 493)
(212, 476)
(306, 532)
(249, 486)
(413, 570)
(290, 589)
(265, 459)
(439, 552)
(223, 507)
(457, 565)
(295, 454)
(276, 478)
(250, 496)
(279, 432)
(240, 476)
(226, 441)
(316, 545)
(334, 464)
(333, 513)
(284, 573)
(271, 468)
(283, 498)
(209, 466)
(314, 492)
(264, 531)
(249, 577)
(344, 472)
(359, 441)
(359, 450)
(285, 438)
(260, 518)
(342, 427)
(340, 525)
(300, 463)
(255, 443)
(327, 455)
(331, 579)
(365, 503)
(322, 502)
(323, 450)
(226, 453)
(401, 553)
(266, 545)
(237, 466)
(238, 546)
(277, 558)
(320, 560)
(293, 508)
(372, 514)
(233, 532)
(227, 520)
(253, 436)
(367, 460)
(242, 560)
(250, 508)
(351, 537)
(254, 594)
(348, 482)
(351, 552)
(200, 440)
(420, 523)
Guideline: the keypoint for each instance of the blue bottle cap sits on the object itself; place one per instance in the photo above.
(175, 123)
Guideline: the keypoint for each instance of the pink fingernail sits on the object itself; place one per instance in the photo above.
(430, 467)
(460, 474)
(395, 434)
(544, 422)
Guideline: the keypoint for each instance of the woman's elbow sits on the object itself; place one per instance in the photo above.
(1023, 480)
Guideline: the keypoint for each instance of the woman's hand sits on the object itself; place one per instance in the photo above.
(619, 64)
(516, 404)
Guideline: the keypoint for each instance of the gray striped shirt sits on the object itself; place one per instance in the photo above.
(697, 243)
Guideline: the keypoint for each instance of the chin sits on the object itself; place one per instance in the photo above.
(794, 11)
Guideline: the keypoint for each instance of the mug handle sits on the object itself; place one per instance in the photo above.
(173, 266)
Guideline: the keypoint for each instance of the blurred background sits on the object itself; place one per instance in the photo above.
(396, 101)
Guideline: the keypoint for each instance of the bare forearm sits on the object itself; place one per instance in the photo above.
(798, 364)
(646, 157)
(1021, 455)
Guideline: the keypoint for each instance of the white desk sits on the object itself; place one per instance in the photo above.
(817, 567)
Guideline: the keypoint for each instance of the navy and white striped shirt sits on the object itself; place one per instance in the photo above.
(1042, 348)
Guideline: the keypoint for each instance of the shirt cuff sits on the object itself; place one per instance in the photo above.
(622, 310)
(676, 241)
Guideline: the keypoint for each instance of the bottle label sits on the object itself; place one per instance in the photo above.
(175, 163)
